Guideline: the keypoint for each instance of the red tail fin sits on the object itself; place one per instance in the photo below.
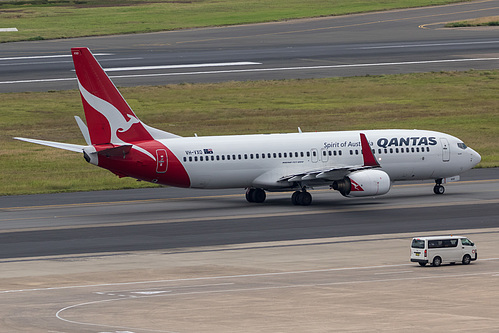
(109, 118)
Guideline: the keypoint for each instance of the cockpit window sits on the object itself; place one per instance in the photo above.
(461, 145)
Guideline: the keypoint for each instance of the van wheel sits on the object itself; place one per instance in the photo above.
(437, 261)
(422, 264)
(466, 259)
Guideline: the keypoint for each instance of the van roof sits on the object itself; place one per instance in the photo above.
(440, 237)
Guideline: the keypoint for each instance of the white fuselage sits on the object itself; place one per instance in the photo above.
(260, 160)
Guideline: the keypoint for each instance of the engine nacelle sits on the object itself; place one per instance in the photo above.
(363, 183)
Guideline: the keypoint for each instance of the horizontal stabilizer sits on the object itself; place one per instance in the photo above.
(84, 130)
(60, 145)
(115, 151)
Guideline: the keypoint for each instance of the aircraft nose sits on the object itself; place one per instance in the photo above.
(475, 157)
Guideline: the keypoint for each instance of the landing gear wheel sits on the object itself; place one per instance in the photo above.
(439, 189)
(249, 194)
(301, 198)
(256, 195)
(259, 195)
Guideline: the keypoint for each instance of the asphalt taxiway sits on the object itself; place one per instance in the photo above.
(172, 260)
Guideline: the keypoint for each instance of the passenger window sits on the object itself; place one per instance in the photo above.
(190, 158)
(201, 158)
(185, 159)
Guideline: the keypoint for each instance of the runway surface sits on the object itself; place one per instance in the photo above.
(401, 41)
(167, 260)
(166, 218)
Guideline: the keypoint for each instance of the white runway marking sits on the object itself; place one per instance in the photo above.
(204, 278)
(147, 68)
(275, 69)
(256, 288)
(8, 29)
(51, 56)
(422, 45)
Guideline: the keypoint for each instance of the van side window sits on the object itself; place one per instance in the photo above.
(434, 244)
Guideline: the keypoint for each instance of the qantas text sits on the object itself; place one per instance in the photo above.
(412, 141)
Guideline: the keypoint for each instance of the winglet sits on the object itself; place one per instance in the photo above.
(367, 154)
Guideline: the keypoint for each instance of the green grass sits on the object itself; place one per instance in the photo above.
(46, 19)
(490, 21)
(463, 104)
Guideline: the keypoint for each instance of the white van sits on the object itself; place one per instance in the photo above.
(442, 249)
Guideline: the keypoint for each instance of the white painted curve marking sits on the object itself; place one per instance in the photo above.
(58, 314)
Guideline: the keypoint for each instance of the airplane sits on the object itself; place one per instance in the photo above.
(355, 163)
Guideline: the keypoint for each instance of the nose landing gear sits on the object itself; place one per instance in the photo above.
(438, 189)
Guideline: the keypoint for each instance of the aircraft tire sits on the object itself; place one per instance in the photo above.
(438, 189)
(249, 194)
(294, 198)
(259, 195)
(304, 198)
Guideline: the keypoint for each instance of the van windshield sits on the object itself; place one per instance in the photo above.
(467, 242)
(418, 244)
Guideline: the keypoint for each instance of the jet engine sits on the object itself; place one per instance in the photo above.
(363, 183)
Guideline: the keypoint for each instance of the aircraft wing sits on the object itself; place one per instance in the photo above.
(60, 145)
(335, 173)
(324, 174)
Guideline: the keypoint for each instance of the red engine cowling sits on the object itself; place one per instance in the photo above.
(363, 183)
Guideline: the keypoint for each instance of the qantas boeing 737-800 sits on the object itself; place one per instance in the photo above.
(356, 163)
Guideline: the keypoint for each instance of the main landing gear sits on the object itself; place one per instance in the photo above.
(257, 195)
(438, 189)
(302, 198)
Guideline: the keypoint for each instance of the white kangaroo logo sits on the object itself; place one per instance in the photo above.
(114, 117)
(132, 120)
